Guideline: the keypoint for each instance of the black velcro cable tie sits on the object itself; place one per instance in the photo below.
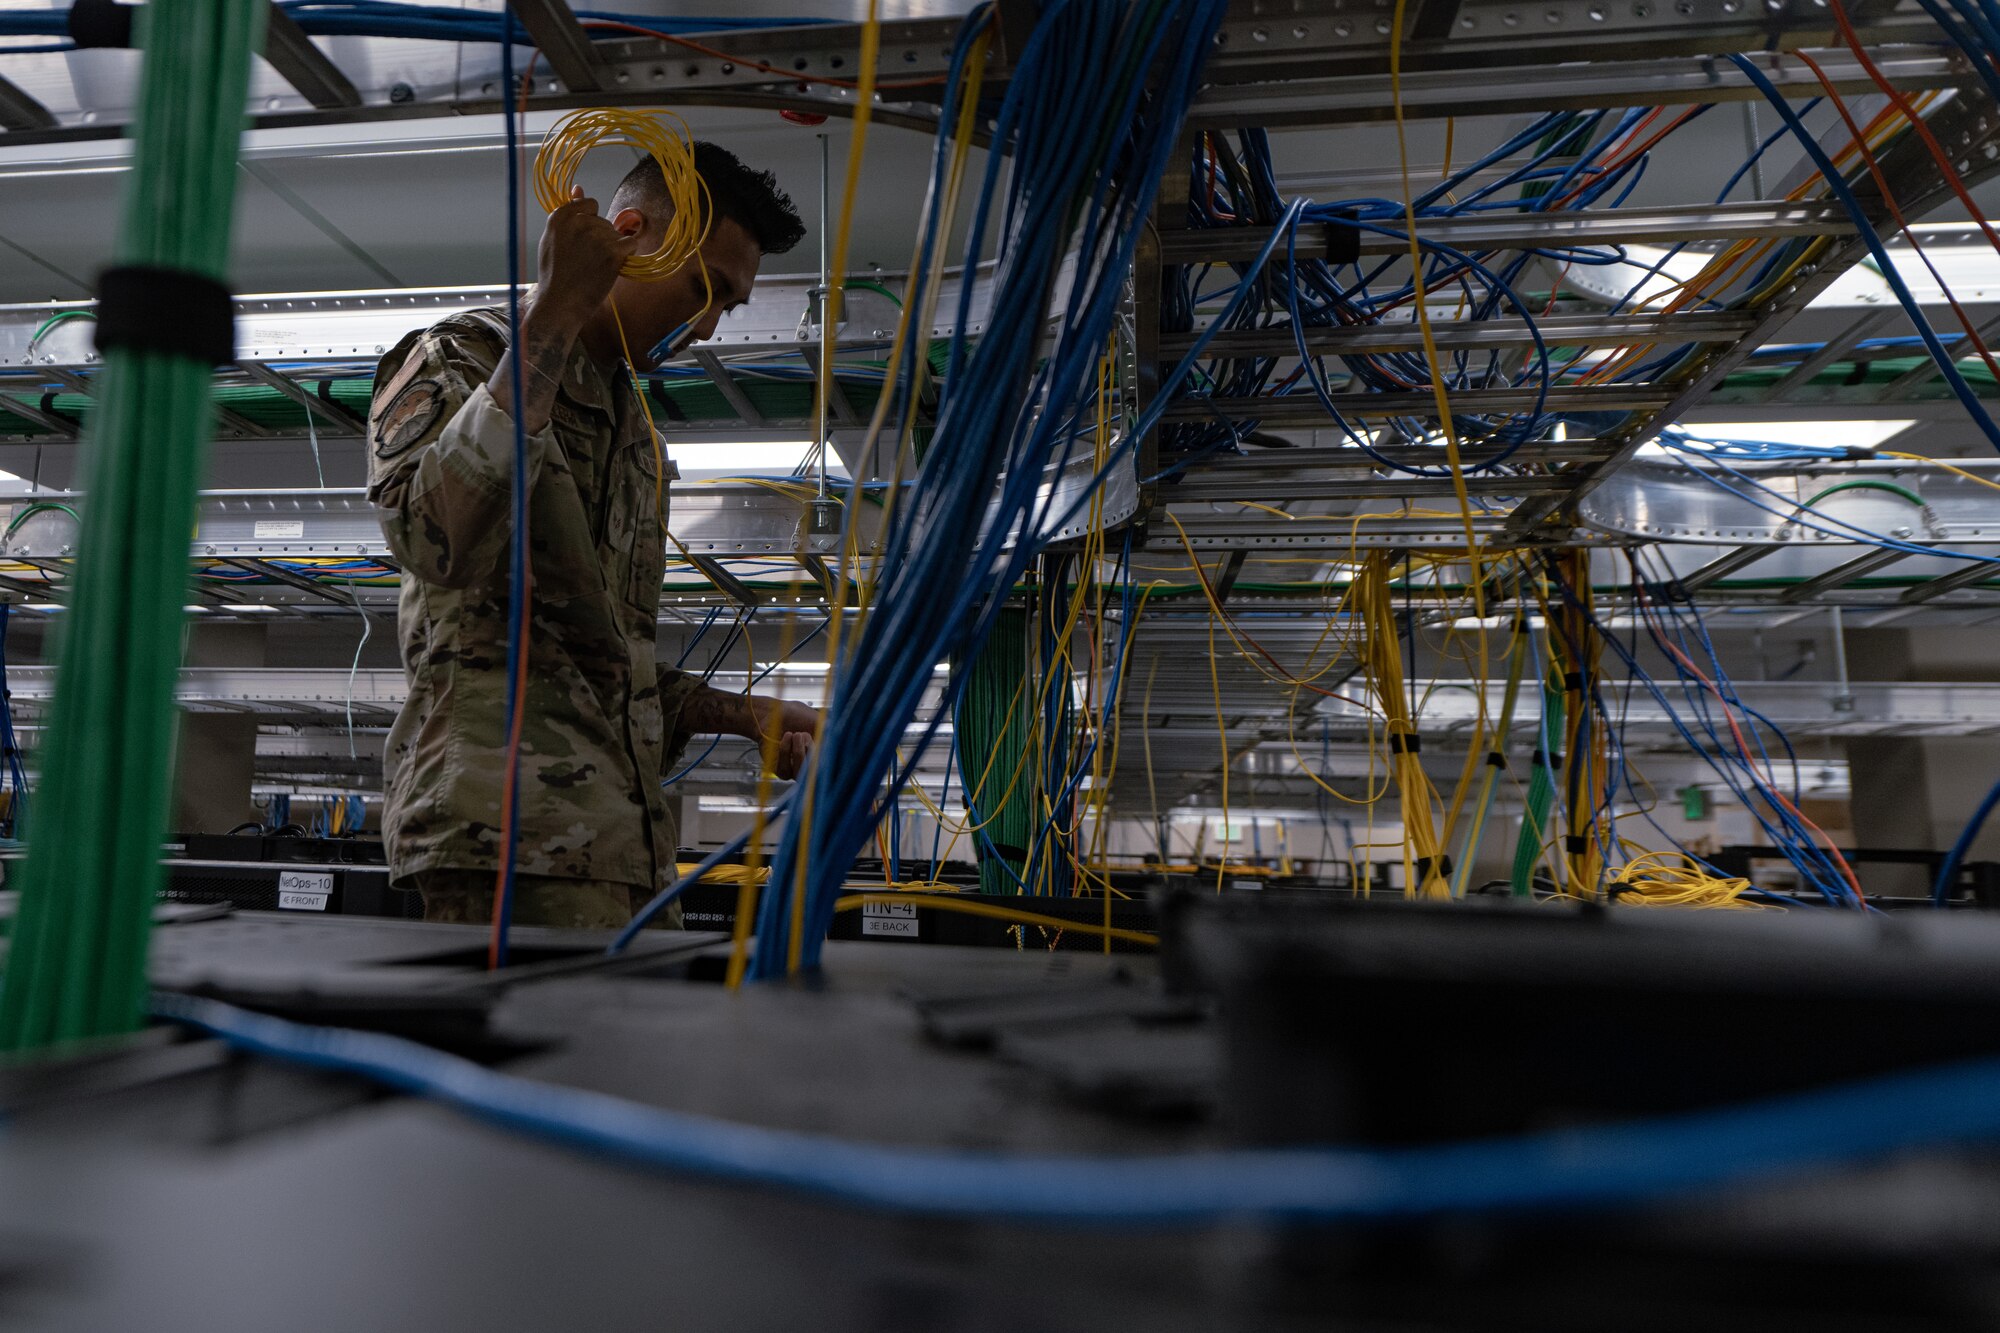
(1405, 742)
(1424, 863)
(1576, 844)
(1495, 758)
(1011, 852)
(168, 310)
(1343, 242)
(1542, 759)
(48, 406)
(656, 389)
(101, 23)
(1573, 682)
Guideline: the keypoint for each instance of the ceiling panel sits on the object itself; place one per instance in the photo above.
(425, 201)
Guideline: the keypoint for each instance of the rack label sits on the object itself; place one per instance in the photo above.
(278, 529)
(896, 920)
(303, 891)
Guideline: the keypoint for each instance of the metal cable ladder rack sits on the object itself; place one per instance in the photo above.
(1561, 475)
(1279, 64)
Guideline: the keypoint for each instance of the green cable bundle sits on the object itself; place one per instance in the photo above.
(995, 716)
(77, 963)
(1541, 792)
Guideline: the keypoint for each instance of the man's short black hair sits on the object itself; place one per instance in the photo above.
(749, 198)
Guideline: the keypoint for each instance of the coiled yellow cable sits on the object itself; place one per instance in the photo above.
(572, 138)
(1670, 879)
(563, 149)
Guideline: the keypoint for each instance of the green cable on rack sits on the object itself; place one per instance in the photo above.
(995, 718)
(76, 967)
(1541, 792)
(1496, 752)
(1866, 484)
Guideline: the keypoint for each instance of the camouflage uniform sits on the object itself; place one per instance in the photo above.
(601, 716)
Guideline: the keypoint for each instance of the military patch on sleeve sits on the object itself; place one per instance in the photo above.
(409, 414)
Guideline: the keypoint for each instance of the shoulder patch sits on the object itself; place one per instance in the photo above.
(414, 409)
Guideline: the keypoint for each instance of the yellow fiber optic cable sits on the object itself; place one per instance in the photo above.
(1941, 463)
(1222, 731)
(572, 138)
(1670, 879)
(973, 905)
(864, 110)
(1423, 861)
(1438, 392)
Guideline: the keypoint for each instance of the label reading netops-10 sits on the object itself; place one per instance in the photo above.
(896, 920)
(304, 891)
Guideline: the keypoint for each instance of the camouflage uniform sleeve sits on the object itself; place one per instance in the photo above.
(676, 688)
(441, 457)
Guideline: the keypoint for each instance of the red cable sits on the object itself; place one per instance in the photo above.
(1895, 211)
(1916, 122)
(1770, 787)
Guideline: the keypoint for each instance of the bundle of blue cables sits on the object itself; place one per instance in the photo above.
(1572, 167)
(1089, 143)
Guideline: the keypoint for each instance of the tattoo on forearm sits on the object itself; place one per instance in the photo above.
(543, 355)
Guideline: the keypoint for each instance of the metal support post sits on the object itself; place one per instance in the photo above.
(1843, 697)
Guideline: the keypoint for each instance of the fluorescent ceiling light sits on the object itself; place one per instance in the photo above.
(1467, 623)
(732, 805)
(1841, 434)
(733, 458)
(64, 172)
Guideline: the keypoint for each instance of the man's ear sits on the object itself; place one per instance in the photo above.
(629, 222)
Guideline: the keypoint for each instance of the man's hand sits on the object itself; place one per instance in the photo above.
(789, 727)
(798, 726)
(579, 259)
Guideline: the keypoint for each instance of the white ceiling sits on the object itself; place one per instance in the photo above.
(415, 203)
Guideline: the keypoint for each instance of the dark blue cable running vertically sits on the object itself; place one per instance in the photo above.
(517, 547)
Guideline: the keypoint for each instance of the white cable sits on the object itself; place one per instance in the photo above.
(355, 669)
(312, 433)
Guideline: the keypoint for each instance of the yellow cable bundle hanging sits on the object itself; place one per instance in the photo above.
(1382, 657)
